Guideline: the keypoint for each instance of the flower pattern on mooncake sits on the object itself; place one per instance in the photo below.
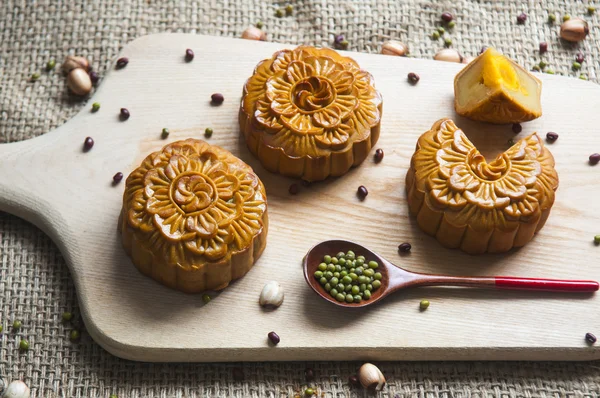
(194, 216)
(310, 113)
(468, 203)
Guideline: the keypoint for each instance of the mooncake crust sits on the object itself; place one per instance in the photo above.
(310, 113)
(473, 205)
(194, 217)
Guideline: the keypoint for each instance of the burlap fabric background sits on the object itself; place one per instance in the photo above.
(35, 285)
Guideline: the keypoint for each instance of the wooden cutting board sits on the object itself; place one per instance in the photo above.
(68, 194)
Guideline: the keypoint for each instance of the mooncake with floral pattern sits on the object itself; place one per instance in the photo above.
(310, 113)
(468, 203)
(194, 217)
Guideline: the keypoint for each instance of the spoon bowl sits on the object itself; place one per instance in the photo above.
(395, 278)
(314, 257)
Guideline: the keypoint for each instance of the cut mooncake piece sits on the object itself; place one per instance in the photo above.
(310, 113)
(494, 89)
(194, 217)
(468, 203)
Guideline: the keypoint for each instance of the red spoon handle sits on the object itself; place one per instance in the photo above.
(556, 285)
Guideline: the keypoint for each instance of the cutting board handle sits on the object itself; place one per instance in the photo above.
(22, 184)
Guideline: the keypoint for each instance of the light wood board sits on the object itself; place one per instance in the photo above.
(68, 193)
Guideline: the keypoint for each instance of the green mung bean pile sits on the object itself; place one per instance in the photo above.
(348, 277)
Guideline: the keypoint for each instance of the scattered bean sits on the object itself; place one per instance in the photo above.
(551, 136)
(551, 18)
(597, 239)
(543, 47)
(413, 77)
(165, 133)
(73, 62)
(394, 47)
(404, 247)
(122, 62)
(274, 338)
(51, 64)
(67, 316)
(124, 114)
(17, 325)
(259, 25)
(447, 17)
(566, 17)
(217, 98)
(279, 13)
(362, 192)
(522, 18)
(208, 132)
(95, 107)
(435, 35)
(189, 54)
(370, 377)
(516, 128)
(451, 24)
(88, 143)
(206, 298)
(79, 81)
(309, 392)
(254, 33)
(590, 338)
(574, 30)
(74, 335)
(289, 9)
(94, 77)
(117, 178)
(594, 158)
(23, 345)
(378, 155)
(448, 55)
(576, 66)
(15, 389)
(423, 305)
(579, 58)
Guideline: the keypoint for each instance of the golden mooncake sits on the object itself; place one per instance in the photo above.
(310, 113)
(468, 203)
(194, 217)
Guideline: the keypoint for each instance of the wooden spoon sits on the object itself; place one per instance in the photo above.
(396, 278)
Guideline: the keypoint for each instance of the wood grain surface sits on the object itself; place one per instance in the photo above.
(52, 183)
